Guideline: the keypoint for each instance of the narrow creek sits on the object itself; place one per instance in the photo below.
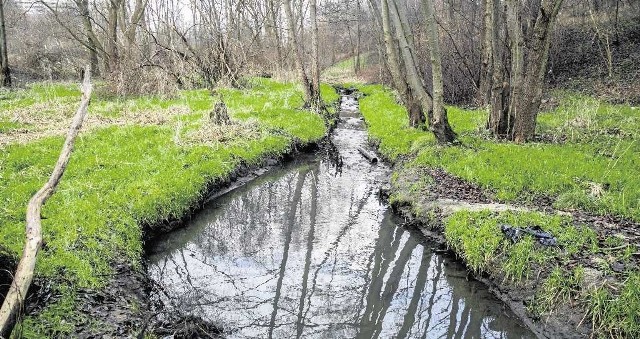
(309, 251)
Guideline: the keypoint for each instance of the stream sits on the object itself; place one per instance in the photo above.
(308, 250)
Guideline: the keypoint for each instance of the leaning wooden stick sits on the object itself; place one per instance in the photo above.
(24, 273)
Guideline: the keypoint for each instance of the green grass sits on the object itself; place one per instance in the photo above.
(477, 238)
(567, 172)
(616, 315)
(120, 178)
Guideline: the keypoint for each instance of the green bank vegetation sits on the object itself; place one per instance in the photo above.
(587, 160)
(122, 176)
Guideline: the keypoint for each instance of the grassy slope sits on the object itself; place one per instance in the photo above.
(600, 151)
(120, 177)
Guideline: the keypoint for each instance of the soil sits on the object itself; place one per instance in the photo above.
(424, 210)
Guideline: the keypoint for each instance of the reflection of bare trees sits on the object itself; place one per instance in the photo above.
(296, 257)
(291, 222)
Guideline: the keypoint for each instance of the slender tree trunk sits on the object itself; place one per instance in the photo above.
(486, 66)
(17, 293)
(414, 81)
(92, 41)
(273, 28)
(5, 72)
(315, 66)
(438, 121)
(306, 84)
(517, 72)
(394, 62)
(112, 36)
(356, 61)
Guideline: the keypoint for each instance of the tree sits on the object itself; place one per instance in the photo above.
(5, 72)
(311, 93)
(416, 97)
(516, 94)
(438, 118)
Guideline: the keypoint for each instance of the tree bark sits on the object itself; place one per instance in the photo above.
(515, 101)
(486, 66)
(306, 84)
(414, 82)
(5, 71)
(112, 36)
(17, 293)
(92, 41)
(315, 66)
(500, 121)
(438, 121)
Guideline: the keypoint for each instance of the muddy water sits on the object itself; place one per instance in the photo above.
(308, 251)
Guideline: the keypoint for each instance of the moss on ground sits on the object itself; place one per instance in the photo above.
(121, 177)
(586, 161)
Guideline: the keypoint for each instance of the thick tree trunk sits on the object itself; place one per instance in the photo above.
(528, 106)
(17, 293)
(5, 72)
(515, 104)
(500, 121)
(438, 121)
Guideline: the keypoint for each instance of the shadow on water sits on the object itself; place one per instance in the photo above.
(308, 251)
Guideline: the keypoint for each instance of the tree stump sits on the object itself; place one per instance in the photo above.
(219, 115)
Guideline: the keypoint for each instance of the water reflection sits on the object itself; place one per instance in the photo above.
(309, 252)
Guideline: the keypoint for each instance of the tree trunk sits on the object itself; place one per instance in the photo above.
(315, 67)
(92, 41)
(273, 28)
(516, 101)
(356, 61)
(5, 72)
(306, 84)
(112, 36)
(486, 66)
(414, 81)
(17, 293)
(500, 121)
(438, 121)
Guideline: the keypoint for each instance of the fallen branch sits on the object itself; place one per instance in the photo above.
(24, 273)
(369, 156)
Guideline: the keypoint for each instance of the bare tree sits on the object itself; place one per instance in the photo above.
(310, 95)
(486, 62)
(5, 73)
(438, 121)
(514, 116)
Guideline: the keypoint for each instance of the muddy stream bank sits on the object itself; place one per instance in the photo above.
(309, 250)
